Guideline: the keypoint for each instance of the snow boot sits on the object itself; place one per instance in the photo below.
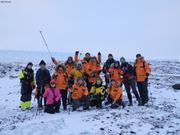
(130, 104)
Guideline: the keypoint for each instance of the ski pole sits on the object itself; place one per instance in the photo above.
(45, 43)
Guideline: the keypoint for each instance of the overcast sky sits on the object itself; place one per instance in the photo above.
(121, 27)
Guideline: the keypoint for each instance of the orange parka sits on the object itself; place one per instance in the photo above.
(85, 62)
(115, 74)
(93, 71)
(142, 68)
(115, 93)
(79, 91)
(61, 80)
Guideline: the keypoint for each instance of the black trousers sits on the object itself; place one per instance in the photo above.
(96, 100)
(131, 84)
(53, 108)
(82, 101)
(40, 97)
(26, 92)
(143, 90)
(64, 98)
(116, 104)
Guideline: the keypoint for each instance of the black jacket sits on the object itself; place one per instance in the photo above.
(27, 80)
(128, 70)
(107, 65)
(43, 77)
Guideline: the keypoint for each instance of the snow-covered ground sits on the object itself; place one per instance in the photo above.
(161, 117)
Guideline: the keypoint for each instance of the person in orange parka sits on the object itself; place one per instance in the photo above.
(84, 61)
(61, 80)
(116, 72)
(80, 95)
(142, 71)
(92, 72)
(70, 66)
(115, 95)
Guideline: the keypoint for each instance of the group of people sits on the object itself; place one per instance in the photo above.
(83, 82)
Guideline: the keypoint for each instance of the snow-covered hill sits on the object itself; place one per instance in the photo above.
(161, 117)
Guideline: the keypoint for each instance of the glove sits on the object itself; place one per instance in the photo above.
(99, 53)
(77, 52)
(147, 74)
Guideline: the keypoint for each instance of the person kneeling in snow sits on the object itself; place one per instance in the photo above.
(97, 93)
(26, 77)
(52, 95)
(114, 95)
(80, 95)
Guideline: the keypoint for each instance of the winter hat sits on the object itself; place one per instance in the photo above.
(138, 55)
(30, 64)
(70, 58)
(52, 82)
(88, 53)
(122, 60)
(42, 62)
(110, 55)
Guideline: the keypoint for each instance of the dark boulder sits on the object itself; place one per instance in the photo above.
(176, 86)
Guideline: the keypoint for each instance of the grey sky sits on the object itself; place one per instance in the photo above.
(122, 27)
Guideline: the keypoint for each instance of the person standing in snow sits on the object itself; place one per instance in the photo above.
(43, 79)
(61, 80)
(52, 94)
(142, 71)
(107, 65)
(26, 77)
(70, 66)
(129, 81)
(80, 95)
